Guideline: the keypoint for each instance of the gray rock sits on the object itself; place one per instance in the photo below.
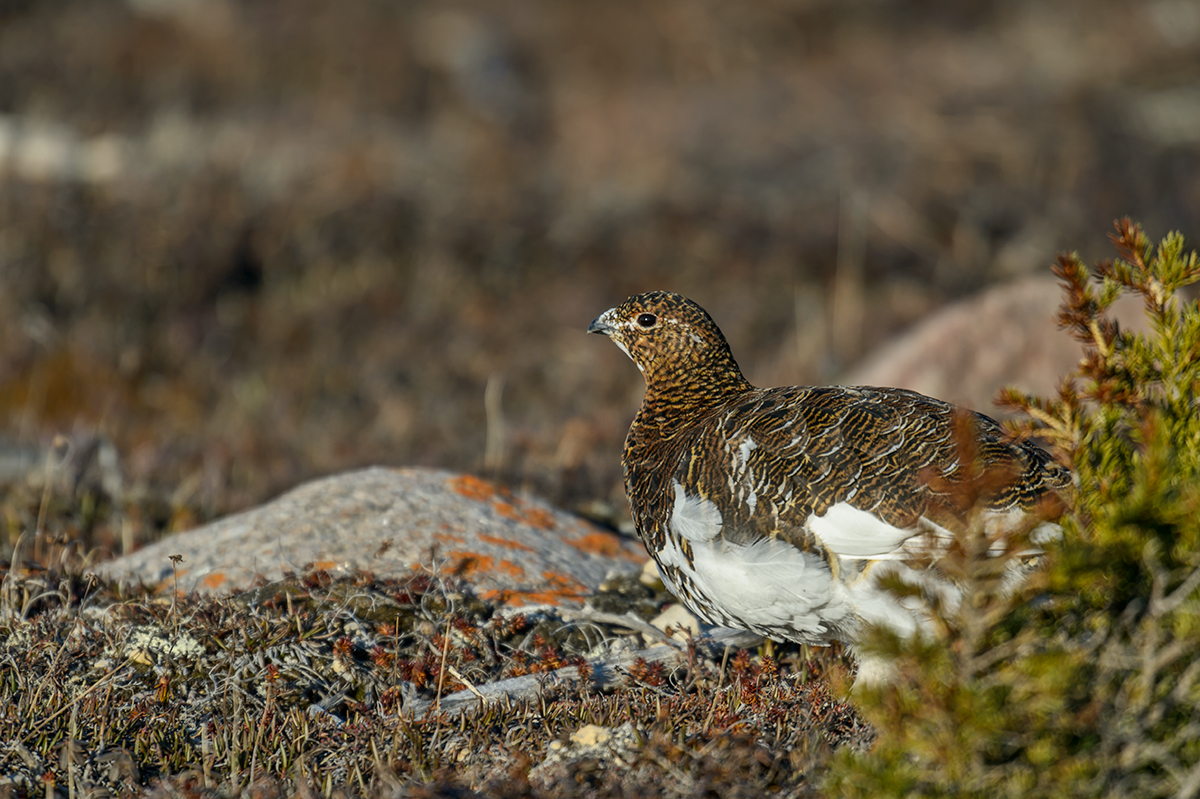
(514, 549)
(1006, 335)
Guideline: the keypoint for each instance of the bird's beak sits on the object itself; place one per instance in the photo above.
(600, 324)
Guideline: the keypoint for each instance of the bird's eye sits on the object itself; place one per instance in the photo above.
(647, 319)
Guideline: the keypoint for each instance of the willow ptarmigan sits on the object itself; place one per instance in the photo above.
(771, 509)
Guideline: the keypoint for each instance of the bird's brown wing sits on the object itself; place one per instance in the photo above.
(778, 457)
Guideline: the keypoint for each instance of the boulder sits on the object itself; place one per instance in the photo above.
(1006, 335)
(514, 549)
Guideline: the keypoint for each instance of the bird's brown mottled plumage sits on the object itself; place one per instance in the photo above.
(771, 464)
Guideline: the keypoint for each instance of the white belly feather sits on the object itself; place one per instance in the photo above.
(774, 588)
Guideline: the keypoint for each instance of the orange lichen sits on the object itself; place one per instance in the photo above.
(467, 564)
(448, 538)
(510, 568)
(599, 543)
(471, 564)
(559, 587)
(502, 501)
(564, 581)
(504, 542)
(514, 598)
(532, 517)
(537, 517)
(474, 488)
(563, 586)
(214, 580)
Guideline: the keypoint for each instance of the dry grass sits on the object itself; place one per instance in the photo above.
(334, 688)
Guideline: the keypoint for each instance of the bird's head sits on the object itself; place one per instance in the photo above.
(672, 340)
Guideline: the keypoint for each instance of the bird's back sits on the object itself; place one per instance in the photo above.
(787, 454)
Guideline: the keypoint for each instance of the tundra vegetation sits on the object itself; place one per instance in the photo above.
(1086, 681)
(1083, 680)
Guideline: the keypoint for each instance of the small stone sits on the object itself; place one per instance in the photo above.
(650, 576)
(591, 735)
(603, 746)
(677, 622)
(954, 354)
(141, 657)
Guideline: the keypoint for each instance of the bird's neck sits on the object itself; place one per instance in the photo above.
(674, 401)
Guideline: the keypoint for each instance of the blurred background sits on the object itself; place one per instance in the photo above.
(248, 242)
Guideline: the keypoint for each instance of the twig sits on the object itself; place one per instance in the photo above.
(437, 703)
(175, 561)
(442, 668)
(493, 454)
(629, 620)
(470, 685)
(605, 673)
(712, 709)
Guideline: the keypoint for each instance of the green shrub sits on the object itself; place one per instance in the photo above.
(1085, 681)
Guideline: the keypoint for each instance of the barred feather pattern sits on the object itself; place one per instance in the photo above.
(766, 508)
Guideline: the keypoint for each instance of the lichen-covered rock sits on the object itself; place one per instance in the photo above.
(514, 549)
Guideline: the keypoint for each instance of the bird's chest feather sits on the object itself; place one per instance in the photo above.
(751, 580)
(708, 524)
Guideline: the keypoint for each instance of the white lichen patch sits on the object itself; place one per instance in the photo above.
(21, 637)
(148, 645)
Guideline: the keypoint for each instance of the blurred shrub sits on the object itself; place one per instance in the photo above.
(1086, 680)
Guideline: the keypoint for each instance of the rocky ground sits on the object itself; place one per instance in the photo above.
(365, 686)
